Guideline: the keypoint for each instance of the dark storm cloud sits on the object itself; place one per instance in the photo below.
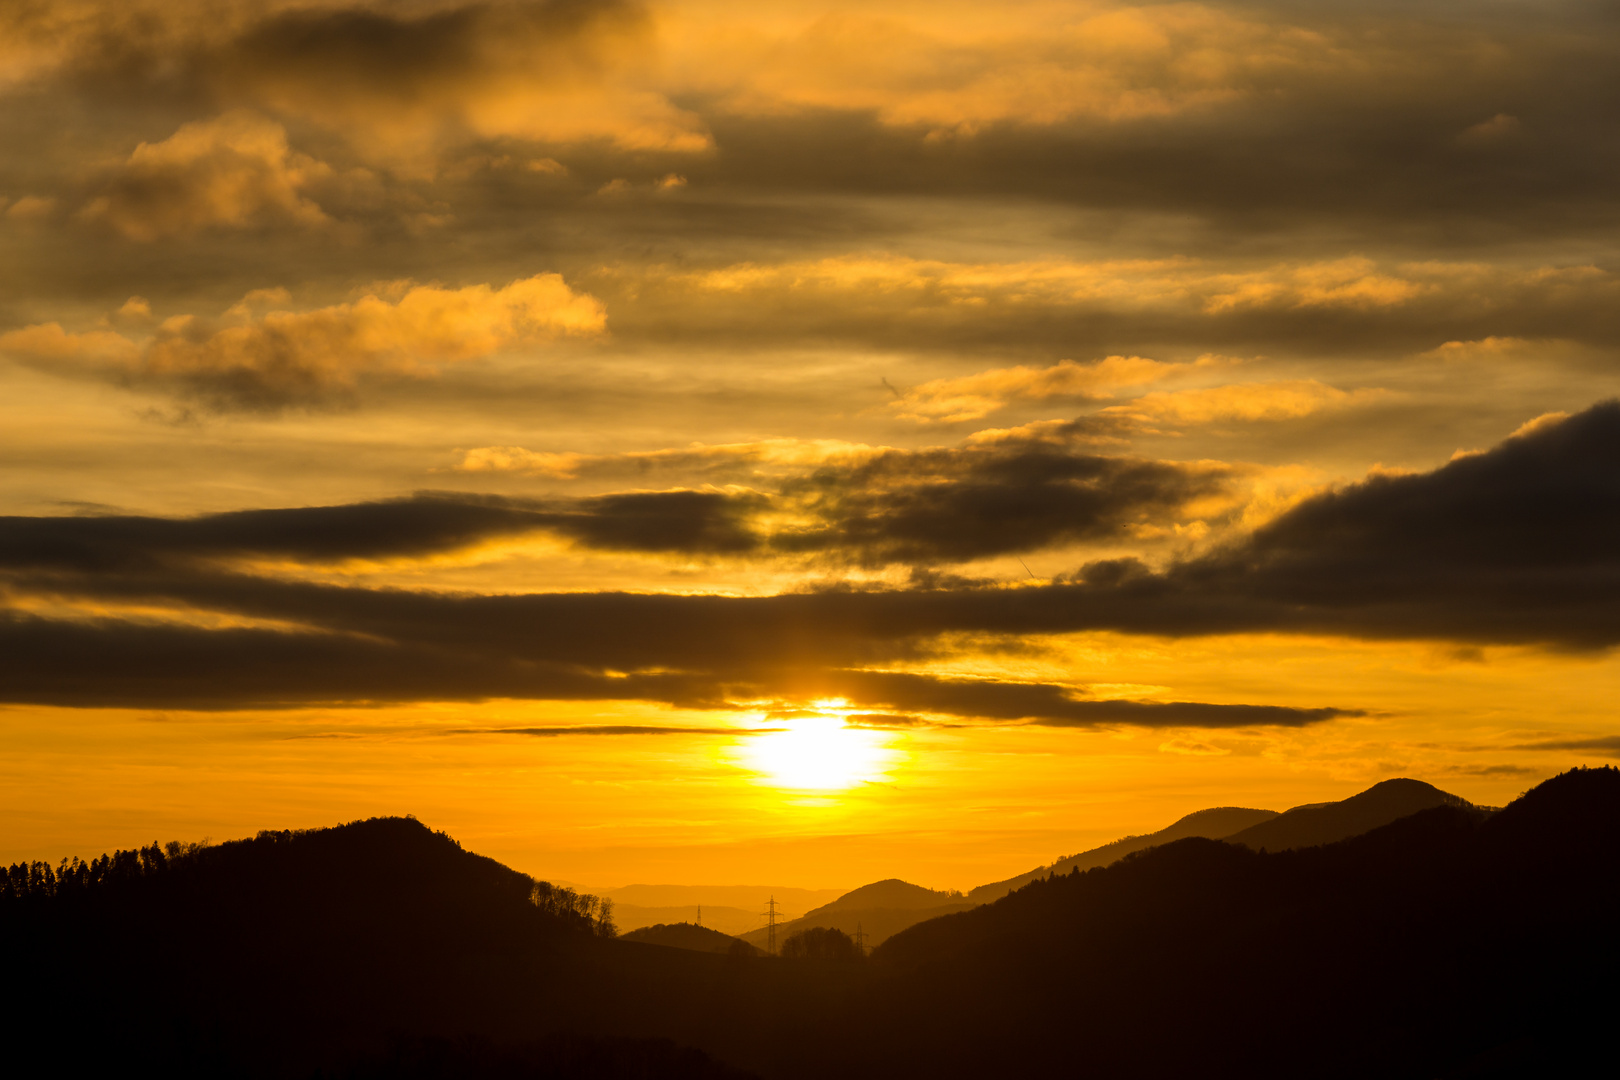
(1519, 544)
(915, 507)
(1515, 545)
(687, 522)
(43, 662)
(1047, 704)
(118, 663)
(242, 53)
(958, 505)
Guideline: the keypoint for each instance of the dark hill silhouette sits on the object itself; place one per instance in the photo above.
(1324, 823)
(876, 911)
(727, 920)
(686, 936)
(298, 951)
(1450, 943)
(889, 893)
(1303, 826)
(1212, 824)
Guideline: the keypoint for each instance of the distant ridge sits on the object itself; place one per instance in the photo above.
(875, 911)
(727, 920)
(685, 935)
(1213, 824)
(1303, 826)
(1453, 942)
(1325, 823)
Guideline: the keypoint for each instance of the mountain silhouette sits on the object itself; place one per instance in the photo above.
(1303, 826)
(730, 909)
(1453, 942)
(1212, 824)
(1323, 823)
(297, 953)
(686, 936)
(875, 911)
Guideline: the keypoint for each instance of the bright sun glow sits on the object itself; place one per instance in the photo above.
(818, 753)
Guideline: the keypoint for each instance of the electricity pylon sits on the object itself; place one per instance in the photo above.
(770, 926)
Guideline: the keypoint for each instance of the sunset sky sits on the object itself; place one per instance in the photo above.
(806, 443)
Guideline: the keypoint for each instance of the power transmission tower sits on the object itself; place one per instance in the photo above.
(700, 915)
(860, 940)
(770, 926)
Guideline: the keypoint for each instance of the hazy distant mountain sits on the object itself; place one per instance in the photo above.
(875, 911)
(1211, 824)
(1324, 823)
(889, 893)
(746, 897)
(730, 909)
(1303, 826)
(727, 920)
(685, 936)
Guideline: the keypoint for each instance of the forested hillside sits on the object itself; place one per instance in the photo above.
(1453, 942)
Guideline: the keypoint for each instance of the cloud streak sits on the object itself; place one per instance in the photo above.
(267, 361)
(1515, 545)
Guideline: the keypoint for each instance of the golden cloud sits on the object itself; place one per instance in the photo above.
(1243, 402)
(963, 67)
(973, 396)
(1352, 282)
(280, 357)
(767, 457)
(234, 170)
(398, 85)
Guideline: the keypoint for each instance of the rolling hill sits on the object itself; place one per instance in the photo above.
(885, 908)
(875, 911)
(686, 936)
(1303, 826)
(727, 920)
(1210, 824)
(1453, 942)
(1324, 823)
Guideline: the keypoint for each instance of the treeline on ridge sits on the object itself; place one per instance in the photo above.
(39, 882)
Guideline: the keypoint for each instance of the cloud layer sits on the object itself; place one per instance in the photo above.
(1515, 545)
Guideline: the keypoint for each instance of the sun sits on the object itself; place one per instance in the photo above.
(819, 752)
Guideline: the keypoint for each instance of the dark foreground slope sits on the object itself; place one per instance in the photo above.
(1449, 943)
(376, 948)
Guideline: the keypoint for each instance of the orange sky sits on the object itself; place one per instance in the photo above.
(798, 443)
